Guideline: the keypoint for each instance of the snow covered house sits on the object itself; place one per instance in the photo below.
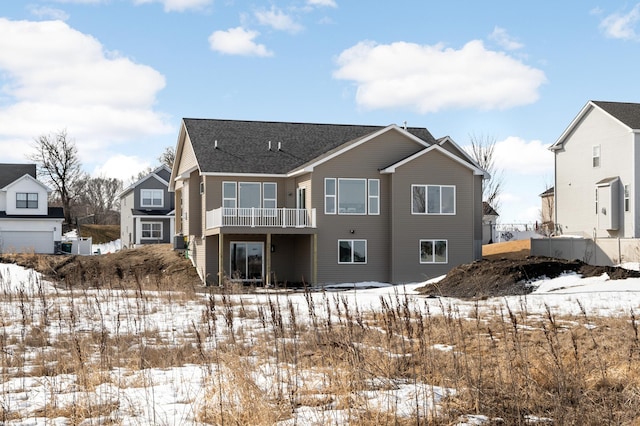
(27, 223)
(147, 210)
(282, 202)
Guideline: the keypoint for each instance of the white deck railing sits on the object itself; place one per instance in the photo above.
(261, 217)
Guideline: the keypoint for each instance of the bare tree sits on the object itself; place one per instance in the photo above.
(547, 224)
(483, 152)
(59, 164)
(168, 156)
(100, 196)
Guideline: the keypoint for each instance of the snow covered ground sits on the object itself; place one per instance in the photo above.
(174, 396)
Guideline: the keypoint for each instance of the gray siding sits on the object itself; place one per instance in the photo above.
(408, 229)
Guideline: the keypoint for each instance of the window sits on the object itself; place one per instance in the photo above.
(152, 197)
(352, 251)
(229, 198)
(433, 251)
(248, 195)
(433, 199)
(201, 188)
(26, 200)
(269, 190)
(152, 230)
(596, 156)
(626, 198)
(330, 196)
(351, 196)
(374, 196)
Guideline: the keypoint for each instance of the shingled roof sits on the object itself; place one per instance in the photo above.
(243, 146)
(12, 172)
(627, 113)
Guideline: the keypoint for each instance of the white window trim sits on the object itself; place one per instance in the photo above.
(596, 154)
(426, 201)
(154, 192)
(352, 241)
(234, 199)
(333, 196)
(151, 237)
(433, 262)
(270, 211)
(373, 198)
(347, 213)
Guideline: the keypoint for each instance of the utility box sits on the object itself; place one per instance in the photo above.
(178, 242)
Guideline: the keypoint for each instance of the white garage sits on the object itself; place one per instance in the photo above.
(26, 241)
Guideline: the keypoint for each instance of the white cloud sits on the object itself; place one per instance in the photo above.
(122, 167)
(504, 40)
(516, 156)
(322, 3)
(278, 20)
(48, 13)
(53, 77)
(431, 78)
(237, 41)
(621, 26)
(178, 5)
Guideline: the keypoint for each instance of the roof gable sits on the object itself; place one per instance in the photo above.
(627, 114)
(436, 148)
(274, 148)
(29, 178)
(157, 174)
(12, 172)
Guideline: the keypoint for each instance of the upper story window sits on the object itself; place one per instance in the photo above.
(433, 199)
(26, 200)
(626, 198)
(596, 156)
(351, 196)
(247, 195)
(152, 197)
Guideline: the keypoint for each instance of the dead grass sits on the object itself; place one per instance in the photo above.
(518, 249)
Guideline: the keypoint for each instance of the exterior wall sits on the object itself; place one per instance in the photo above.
(187, 160)
(364, 161)
(53, 226)
(603, 251)
(27, 185)
(192, 187)
(3, 201)
(153, 183)
(127, 227)
(458, 230)
(166, 230)
(576, 178)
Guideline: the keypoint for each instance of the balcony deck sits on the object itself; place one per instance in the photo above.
(260, 218)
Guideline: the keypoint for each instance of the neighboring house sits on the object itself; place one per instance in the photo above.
(147, 210)
(547, 199)
(27, 223)
(489, 219)
(324, 203)
(597, 172)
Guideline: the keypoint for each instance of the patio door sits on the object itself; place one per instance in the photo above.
(247, 261)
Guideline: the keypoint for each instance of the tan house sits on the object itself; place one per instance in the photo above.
(281, 202)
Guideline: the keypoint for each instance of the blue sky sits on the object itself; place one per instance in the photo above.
(119, 75)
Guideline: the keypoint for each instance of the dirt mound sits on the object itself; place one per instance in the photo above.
(153, 267)
(508, 276)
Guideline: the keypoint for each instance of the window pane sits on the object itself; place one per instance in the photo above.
(448, 199)
(345, 252)
(360, 251)
(249, 195)
(229, 190)
(269, 190)
(433, 199)
(440, 252)
(352, 196)
(330, 205)
(374, 196)
(330, 187)
(418, 199)
(426, 251)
